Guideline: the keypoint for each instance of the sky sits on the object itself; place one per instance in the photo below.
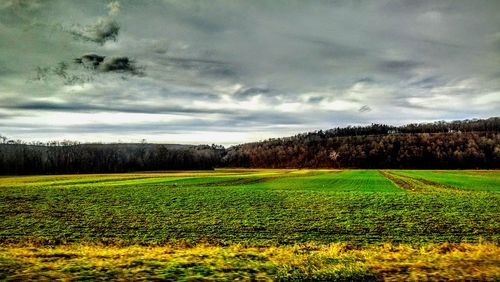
(230, 71)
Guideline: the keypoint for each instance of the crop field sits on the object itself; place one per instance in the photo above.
(252, 225)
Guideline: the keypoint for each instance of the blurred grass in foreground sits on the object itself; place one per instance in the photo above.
(339, 261)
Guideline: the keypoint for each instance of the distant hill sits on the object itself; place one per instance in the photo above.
(457, 144)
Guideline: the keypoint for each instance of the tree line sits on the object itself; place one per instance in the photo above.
(439, 145)
(71, 157)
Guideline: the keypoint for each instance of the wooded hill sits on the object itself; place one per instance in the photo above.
(446, 145)
(440, 145)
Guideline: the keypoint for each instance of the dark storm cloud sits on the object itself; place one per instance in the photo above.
(93, 64)
(118, 64)
(108, 64)
(91, 61)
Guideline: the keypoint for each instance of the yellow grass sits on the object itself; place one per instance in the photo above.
(311, 262)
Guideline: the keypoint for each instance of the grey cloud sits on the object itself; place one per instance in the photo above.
(62, 71)
(19, 11)
(267, 118)
(119, 64)
(88, 107)
(364, 109)
(20, 4)
(250, 92)
(428, 82)
(103, 30)
(329, 48)
(364, 80)
(8, 116)
(419, 6)
(496, 42)
(91, 60)
(100, 32)
(398, 66)
(207, 67)
(154, 128)
(178, 126)
(316, 99)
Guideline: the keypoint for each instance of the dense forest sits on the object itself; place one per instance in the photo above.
(457, 144)
(447, 145)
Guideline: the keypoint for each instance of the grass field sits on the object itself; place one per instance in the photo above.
(252, 224)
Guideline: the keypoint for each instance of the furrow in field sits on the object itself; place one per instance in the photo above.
(417, 184)
(405, 183)
(458, 179)
(236, 181)
(440, 186)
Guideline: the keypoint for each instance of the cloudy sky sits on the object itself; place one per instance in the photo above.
(232, 71)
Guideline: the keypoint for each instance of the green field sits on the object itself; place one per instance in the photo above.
(254, 211)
